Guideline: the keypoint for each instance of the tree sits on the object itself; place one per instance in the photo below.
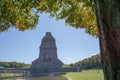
(14, 65)
(92, 62)
(108, 20)
(18, 14)
(98, 17)
(23, 13)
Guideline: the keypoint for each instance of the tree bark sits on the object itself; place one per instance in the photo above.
(108, 21)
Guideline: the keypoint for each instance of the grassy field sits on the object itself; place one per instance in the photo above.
(10, 76)
(86, 75)
(49, 78)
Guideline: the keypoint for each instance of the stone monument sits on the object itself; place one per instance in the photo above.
(47, 62)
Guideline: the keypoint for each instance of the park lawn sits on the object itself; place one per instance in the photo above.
(85, 75)
(6, 75)
(49, 78)
(9, 76)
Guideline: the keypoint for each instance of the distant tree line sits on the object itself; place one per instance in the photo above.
(93, 62)
(13, 65)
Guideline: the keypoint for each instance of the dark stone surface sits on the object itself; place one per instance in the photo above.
(47, 61)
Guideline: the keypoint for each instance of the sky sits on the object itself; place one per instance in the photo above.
(72, 44)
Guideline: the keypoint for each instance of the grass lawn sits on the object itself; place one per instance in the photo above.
(85, 75)
(10, 76)
(49, 78)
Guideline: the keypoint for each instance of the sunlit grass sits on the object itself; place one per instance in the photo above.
(10, 76)
(86, 75)
(83, 75)
(49, 78)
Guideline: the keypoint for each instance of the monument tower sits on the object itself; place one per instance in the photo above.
(47, 61)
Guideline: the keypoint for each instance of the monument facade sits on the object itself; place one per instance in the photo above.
(47, 61)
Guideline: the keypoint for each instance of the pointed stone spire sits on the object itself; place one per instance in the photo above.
(48, 40)
(48, 46)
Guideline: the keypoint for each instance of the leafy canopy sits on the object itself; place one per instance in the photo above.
(22, 14)
(18, 14)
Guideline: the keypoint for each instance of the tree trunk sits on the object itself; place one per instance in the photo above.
(108, 20)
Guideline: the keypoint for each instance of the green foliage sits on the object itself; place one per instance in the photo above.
(22, 14)
(93, 62)
(66, 66)
(18, 14)
(93, 71)
(79, 14)
(14, 65)
(76, 13)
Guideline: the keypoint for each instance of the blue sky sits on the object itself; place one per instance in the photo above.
(72, 44)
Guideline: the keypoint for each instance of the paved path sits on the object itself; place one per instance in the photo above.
(68, 77)
(53, 74)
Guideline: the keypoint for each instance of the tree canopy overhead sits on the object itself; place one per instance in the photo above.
(22, 14)
(18, 14)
